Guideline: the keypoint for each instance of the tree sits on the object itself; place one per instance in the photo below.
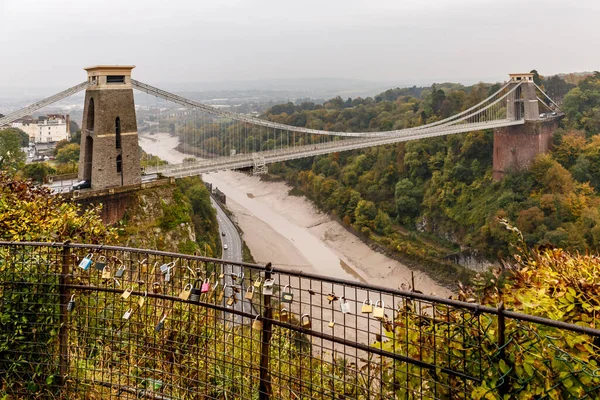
(365, 214)
(11, 155)
(37, 172)
(406, 200)
(536, 77)
(68, 153)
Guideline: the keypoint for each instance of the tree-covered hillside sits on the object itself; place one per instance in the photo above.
(443, 185)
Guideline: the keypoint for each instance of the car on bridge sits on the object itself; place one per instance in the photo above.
(224, 247)
(82, 185)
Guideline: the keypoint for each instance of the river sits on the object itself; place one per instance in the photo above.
(291, 233)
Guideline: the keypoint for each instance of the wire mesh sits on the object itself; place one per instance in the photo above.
(92, 321)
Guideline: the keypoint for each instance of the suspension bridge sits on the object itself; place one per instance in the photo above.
(225, 140)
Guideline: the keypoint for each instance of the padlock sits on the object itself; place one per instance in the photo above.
(205, 286)
(106, 273)
(257, 283)
(367, 306)
(257, 324)
(71, 304)
(378, 311)
(331, 323)
(268, 287)
(221, 294)
(221, 275)
(249, 293)
(156, 288)
(168, 276)
(160, 324)
(165, 268)
(101, 263)
(305, 321)
(287, 296)
(128, 313)
(332, 297)
(344, 306)
(143, 266)
(195, 292)
(141, 300)
(86, 262)
(231, 300)
(284, 315)
(119, 273)
(125, 295)
(186, 292)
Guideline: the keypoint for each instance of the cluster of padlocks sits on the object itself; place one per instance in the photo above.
(210, 290)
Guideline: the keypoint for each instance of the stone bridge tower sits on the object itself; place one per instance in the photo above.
(109, 154)
(516, 146)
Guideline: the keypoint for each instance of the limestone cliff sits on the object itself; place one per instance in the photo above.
(159, 218)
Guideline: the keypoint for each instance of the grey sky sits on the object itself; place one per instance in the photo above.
(224, 40)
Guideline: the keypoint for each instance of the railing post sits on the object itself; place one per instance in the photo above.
(264, 388)
(501, 344)
(63, 332)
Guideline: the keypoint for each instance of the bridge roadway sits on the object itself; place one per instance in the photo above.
(290, 153)
(233, 253)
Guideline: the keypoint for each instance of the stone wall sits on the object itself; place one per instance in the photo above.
(515, 147)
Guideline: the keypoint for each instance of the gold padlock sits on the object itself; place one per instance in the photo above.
(331, 323)
(185, 293)
(257, 283)
(367, 306)
(378, 311)
(142, 300)
(231, 300)
(257, 324)
(331, 297)
(305, 321)
(143, 266)
(156, 288)
(284, 315)
(221, 294)
(126, 293)
(106, 273)
(249, 293)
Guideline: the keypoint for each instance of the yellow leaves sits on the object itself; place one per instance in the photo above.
(30, 213)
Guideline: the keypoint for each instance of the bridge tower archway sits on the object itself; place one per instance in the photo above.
(109, 154)
(88, 157)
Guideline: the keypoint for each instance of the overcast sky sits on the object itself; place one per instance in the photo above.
(46, 43)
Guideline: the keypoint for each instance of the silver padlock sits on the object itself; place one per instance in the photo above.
(71, 304)
(120, 271)
(165, 268)
(344, 305)
(268, 287)
(128, 313)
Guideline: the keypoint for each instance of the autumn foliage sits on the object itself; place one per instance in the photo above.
(32, 213)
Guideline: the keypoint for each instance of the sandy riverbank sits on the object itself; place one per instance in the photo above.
(290, 232)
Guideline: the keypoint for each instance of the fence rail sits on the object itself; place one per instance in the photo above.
(94, 321)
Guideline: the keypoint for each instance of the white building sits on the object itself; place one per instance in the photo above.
(49, 128)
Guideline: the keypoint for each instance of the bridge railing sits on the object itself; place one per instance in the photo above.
(92, 321)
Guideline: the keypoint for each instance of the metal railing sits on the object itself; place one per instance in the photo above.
(91, 321)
